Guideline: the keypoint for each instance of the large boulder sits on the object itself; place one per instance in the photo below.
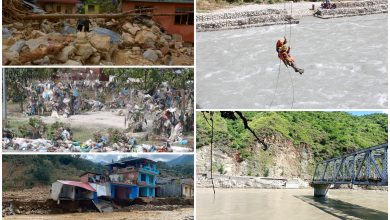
(122, 57)
(146, 39)
(8, 57)
(85, 50)
(151, 55)
(17, 47)
(156, 30)
(94, 59)
(67, 52)
(35, 43)
(101, 42)
(132, 29)
(128, 40)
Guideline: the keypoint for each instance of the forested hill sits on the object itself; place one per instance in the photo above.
(27, 171)
(323, 135)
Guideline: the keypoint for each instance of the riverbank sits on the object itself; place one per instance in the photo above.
(255, 15)
(222, 181)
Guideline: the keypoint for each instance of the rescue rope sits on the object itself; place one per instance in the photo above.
(211, 149)
(289, 72)
(292, 84)
(211, 145)
(276, 86)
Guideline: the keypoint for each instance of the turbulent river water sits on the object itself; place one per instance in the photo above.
(297, 204)
(345, 62)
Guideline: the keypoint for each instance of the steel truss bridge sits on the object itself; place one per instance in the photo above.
(363, 167)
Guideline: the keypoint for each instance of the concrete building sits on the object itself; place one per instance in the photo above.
(127, 179)
(174, 187)
(182, 23)
(91, 8)
(59, 6)
(168, 187)
(187, 188)
(133, 178)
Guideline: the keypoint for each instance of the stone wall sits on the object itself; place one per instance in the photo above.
(222, 181)
(354, 8)
(236, 20)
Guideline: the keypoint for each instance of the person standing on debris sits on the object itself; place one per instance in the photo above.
(80, 24)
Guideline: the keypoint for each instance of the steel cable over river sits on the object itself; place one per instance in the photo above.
(345, 62)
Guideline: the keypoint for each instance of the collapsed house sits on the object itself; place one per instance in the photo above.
(124, 181)
(72, 190)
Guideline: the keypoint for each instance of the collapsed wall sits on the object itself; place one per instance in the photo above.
(237, 20)
(354, 8)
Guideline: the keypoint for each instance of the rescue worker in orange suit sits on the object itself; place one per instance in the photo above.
(284, 55)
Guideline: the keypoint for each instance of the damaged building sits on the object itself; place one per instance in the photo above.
(133, 178)
(124, 180)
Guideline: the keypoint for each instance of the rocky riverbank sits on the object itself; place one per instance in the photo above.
(254, 15)
(354, 8)
(222, 181)
(246, 19)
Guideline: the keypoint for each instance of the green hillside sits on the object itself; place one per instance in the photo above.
(328, 134)
(27, 171)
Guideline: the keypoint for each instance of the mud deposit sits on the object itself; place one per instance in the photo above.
(183, 213)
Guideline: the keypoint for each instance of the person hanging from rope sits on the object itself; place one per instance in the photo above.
(284, 54)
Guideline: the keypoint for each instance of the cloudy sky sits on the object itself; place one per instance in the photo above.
(107, 158)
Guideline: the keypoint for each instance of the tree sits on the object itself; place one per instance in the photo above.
(18, 78)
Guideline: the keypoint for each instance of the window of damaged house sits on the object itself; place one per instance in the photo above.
(143, 9)
(143, 177)
(184, 16)
(91, 8)
(58, 8)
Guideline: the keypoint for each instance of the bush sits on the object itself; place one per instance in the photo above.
(42, 174)
(34, 128)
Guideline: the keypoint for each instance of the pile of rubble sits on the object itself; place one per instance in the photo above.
(140, 42)
(241, 19)
(65, 144)
(354, 8)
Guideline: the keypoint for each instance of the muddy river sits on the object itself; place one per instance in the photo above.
(345, 62)
(290, 204)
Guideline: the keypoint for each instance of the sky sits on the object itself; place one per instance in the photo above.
(360, 113)
(107, 158)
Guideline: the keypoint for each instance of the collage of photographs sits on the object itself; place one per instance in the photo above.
(194, 109)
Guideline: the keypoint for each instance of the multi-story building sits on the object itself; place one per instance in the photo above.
(128, 179)
(59, 6)
(133, 178)
(176, 16)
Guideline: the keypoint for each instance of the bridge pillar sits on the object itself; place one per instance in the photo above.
(320, 190)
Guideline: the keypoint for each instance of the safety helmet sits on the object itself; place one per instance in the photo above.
(283, 48)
